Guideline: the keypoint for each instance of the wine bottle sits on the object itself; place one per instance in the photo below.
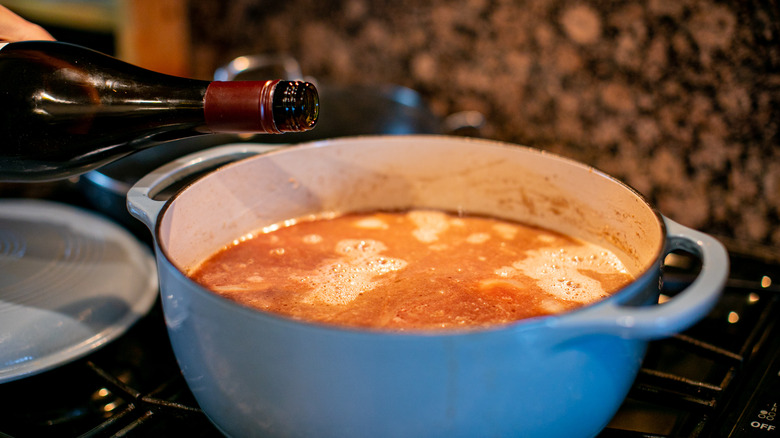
(67, 109)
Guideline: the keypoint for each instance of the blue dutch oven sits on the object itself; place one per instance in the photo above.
(258, 374)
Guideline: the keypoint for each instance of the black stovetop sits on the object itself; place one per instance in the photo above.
(720, 378)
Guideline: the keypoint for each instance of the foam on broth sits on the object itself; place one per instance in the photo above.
(418, 269)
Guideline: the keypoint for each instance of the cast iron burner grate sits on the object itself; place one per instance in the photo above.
(140, 408)
(719, 378)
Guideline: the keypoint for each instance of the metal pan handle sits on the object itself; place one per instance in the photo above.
(680, 312)
(147, 197)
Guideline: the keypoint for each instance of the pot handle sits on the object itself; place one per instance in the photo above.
(680, 312)
(147, 197)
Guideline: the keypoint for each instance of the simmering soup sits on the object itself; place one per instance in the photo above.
(411, 270)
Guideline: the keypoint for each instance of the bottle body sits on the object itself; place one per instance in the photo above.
(67, 109)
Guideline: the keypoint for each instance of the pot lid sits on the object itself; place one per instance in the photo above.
(70, 282)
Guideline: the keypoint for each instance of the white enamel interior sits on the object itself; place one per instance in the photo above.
(449, 173)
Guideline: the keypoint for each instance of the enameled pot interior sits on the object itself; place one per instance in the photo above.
(399, 172)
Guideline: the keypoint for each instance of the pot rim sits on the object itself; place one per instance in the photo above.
(620, 296)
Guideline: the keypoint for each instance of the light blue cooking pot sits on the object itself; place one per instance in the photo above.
(256, 374)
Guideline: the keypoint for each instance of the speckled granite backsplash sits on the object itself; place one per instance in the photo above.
(679, 98)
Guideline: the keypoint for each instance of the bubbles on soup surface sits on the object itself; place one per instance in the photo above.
(478, 238)
(312, 238)
(372, 223)
(429, 224)
(341, 280)
(559, 271)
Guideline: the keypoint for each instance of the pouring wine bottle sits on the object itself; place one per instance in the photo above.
(67, 109)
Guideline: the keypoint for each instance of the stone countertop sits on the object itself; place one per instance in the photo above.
(678, 98)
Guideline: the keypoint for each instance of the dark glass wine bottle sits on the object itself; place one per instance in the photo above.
(67, 109)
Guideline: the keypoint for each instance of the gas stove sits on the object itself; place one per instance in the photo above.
(719, 378)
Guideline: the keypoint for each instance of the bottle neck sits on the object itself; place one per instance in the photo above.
(273, 106)
(240, 106)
